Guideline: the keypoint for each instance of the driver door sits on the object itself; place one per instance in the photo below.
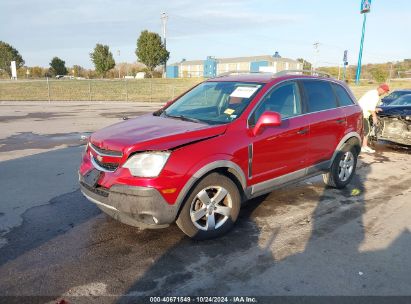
(277, 151)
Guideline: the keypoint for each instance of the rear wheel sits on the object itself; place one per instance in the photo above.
(343, 168)
(211, 209)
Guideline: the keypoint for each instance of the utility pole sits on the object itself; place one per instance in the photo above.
(345, 63)
(118, 54)
(316, 46)
(164, 19)
(391, 68)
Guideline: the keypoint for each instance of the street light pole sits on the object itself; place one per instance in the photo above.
(357, 76)
(316, 46)
(365, 9)
(164, 19)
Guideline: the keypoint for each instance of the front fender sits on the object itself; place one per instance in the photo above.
(208, 165)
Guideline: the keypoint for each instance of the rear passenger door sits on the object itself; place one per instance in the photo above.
(347, 104)
(327, 120)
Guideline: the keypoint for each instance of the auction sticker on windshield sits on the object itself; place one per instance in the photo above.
(244, 92)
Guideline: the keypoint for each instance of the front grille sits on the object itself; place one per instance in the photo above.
(97, 190)
(104, 152)
(106, 166)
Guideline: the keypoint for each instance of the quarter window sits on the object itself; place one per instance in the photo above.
(320, 95)
(284, 100)
(343, 97)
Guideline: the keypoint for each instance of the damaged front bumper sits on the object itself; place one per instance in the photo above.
(141, 207)
(395, 129)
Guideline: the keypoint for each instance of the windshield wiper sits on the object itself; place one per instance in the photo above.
(182, 117)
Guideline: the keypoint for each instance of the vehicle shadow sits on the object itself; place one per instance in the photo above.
(241, 262)
(189, 258)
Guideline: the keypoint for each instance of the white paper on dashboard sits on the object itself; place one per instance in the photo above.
(243, 92)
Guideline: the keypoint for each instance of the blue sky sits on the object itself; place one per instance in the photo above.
(222, 28)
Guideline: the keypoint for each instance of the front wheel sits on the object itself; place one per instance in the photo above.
(343, 168)
(211, 209)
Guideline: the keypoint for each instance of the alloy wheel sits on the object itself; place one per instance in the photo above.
(211, 208)
(346, 166)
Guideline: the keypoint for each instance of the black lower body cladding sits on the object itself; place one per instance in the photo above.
(137, 206)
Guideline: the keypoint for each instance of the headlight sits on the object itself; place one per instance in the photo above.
(148, 164)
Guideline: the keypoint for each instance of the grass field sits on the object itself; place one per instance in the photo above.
(118, 90)
(95, 90)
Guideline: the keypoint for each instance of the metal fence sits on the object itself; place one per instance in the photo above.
(149, 90)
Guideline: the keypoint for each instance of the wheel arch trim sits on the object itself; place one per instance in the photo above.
(219, 164)
(343, 141)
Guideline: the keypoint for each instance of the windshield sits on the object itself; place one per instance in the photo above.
(402, 101)
(213, 102)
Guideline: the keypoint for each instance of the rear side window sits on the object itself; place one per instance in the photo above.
(320, 95)
(343, 97)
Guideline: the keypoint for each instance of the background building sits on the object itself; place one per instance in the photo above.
(211, 66)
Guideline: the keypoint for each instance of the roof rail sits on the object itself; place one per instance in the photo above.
(302, 72)
(240, 73)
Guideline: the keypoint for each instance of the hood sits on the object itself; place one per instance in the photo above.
(395, 111)
(148, 132)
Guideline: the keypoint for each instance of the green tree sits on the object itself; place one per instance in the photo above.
(7, 55)
(150, 50)
(103, 59)
(306, 65)
(58, 67)
(379, 73)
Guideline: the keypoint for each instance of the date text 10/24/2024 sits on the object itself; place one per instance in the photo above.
(205, 299)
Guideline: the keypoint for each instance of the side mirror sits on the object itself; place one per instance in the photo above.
(267, 119)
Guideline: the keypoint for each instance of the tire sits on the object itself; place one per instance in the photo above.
(346, 160)
(211, 208)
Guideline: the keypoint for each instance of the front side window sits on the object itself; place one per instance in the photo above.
(284, 99)
(320, 95)
(214, 102)
(343, 97)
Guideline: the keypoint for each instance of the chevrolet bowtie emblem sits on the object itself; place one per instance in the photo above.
(99, 158)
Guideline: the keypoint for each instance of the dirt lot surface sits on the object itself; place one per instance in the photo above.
(301, 240)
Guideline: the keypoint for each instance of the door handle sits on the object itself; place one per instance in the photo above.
(302, 131)
(340, 121)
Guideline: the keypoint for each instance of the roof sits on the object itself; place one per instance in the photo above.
(257, 77)
(190, 62)
(264, 77)
(254, 58)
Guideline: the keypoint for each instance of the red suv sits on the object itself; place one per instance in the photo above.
(226, 140)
